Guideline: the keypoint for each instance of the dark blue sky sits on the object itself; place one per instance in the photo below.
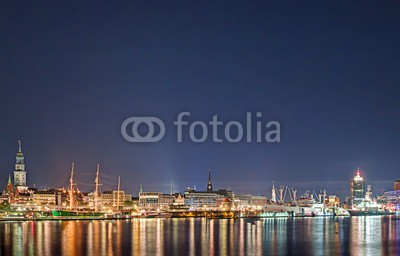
(329, 72)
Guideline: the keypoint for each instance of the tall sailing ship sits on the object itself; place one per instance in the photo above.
(73, 213)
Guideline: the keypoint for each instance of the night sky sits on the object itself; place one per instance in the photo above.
(328, 71)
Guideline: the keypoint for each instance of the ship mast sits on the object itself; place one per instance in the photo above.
(71, 189)
(119, 187)
(294, 195)
(273, 195)
(281, 198)
(96, 194)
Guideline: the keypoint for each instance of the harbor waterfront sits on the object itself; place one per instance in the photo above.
(372, 235)
(21, 202)
(200, 128)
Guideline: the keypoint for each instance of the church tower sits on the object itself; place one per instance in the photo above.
(9, 189)
(209, 185)
(20, 173)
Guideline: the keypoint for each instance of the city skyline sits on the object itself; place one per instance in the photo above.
(327, 72)
(200, 128)
(20, 167)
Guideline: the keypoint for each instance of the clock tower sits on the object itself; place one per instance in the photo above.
(20, 172)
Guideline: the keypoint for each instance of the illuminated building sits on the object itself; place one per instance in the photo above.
(44, 197)
(90, 199)
(22, 197)
(242, 200)
(167, 200)
(154, 200)
(397, 185)
(357, 189)
(226, 204)
(20, 172)
(202, 199)
(61, 196)
(208, 198)
(9, 189)
(150, 199)
(4, 199)
(8, 193)
(179, 199)
(111, 198)
(332, 201)
(258, 200)
(392, 199)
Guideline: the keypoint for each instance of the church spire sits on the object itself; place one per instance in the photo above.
(19, 153)
(9, 187)
(20, 172)
(209, 185)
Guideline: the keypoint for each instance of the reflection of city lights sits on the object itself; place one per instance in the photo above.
(265, 236)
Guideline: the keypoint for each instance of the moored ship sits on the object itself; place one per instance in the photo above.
(155, 214)
(67, 214)
(74, 213)
(313, 209)
(264, 215)
(369, 208)
(306, 206)
(357, 212)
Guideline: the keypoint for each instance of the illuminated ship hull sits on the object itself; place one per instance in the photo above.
(73, 215)
(263, 215)
(155, 214)
(370, 213)
(370, 208)
(300, 211)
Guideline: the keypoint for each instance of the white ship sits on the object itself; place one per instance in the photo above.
(154, 214)
(306, 206)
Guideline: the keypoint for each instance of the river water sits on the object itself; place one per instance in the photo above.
(298, 236)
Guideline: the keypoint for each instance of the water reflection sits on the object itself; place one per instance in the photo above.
(311, 236)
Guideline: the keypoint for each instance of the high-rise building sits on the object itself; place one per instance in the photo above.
(20, 172)
(357, 189)
(397, 185)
